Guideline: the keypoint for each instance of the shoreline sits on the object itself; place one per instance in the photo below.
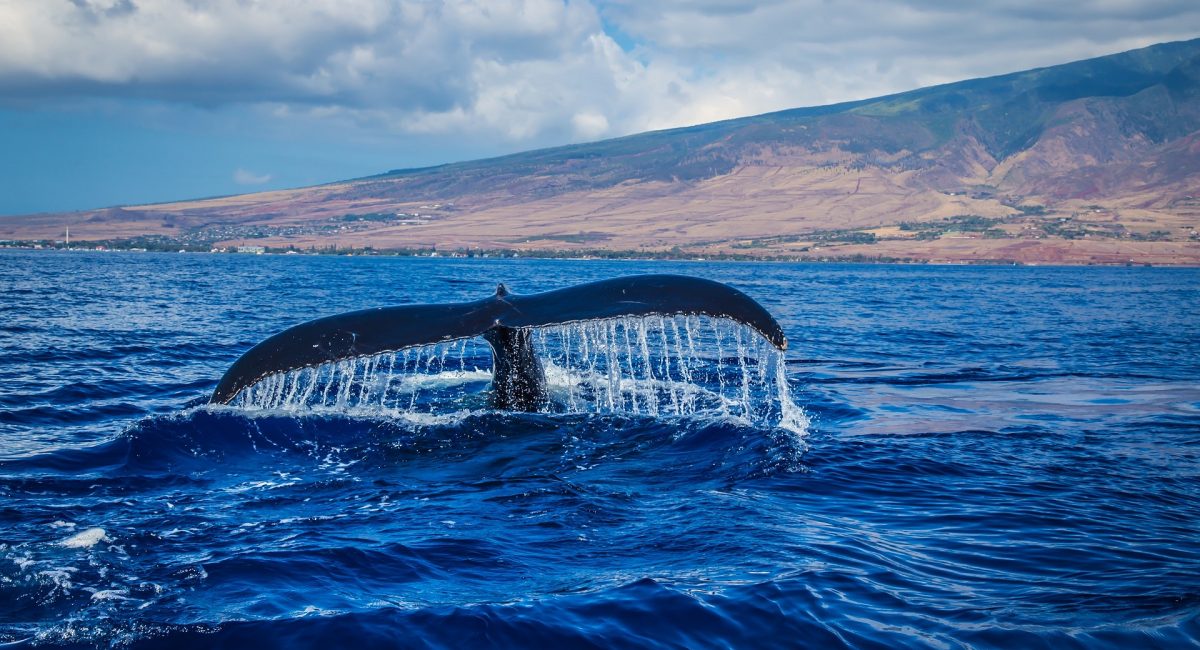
(613, 256)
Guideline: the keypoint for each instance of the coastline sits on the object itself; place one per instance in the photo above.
(603, 255)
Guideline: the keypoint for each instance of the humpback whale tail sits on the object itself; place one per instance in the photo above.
(505, 320)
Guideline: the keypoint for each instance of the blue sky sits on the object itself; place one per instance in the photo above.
(107, 102)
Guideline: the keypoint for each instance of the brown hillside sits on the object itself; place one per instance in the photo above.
(1096, 161)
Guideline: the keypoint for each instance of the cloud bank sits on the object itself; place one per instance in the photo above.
(538, 71)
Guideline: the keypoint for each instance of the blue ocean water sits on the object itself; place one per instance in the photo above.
(997, 457)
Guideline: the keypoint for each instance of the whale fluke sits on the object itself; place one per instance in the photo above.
(503, 320)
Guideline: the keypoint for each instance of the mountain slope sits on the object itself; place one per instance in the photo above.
(1092, 161)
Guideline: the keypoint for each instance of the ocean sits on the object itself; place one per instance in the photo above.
(983, 456)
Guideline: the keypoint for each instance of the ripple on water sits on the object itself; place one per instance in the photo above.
(996, 458)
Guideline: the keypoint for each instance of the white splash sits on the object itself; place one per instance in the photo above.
(112, 594)
(86, 539)
(674, 366)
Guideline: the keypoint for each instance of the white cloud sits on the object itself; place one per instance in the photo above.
(531, 72)
(246, 177)
(589, 124)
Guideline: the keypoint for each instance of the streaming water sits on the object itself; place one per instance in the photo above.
(660, 366)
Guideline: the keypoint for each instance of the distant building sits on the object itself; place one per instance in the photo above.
(253, 250)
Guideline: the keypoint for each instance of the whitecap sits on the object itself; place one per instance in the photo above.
(85, 539)
(112, 594)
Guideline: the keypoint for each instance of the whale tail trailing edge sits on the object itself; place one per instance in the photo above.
(503, 320)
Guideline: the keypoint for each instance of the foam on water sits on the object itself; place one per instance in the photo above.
(658, 366)
(85, 539)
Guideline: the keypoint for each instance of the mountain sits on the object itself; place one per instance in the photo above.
(1095, 161)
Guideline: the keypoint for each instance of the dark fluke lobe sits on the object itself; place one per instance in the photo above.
(503, 320)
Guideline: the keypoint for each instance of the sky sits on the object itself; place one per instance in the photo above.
(117, 102)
